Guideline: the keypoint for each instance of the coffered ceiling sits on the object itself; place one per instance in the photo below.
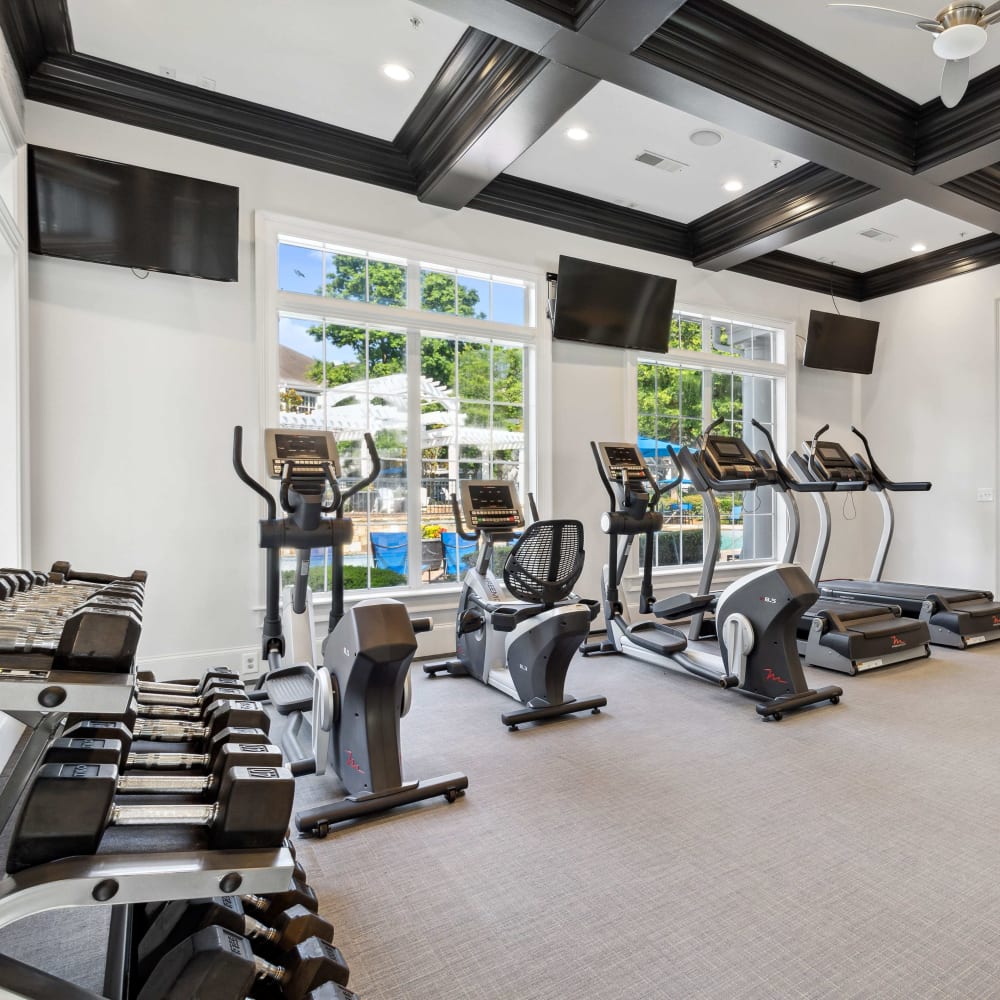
(831, 125)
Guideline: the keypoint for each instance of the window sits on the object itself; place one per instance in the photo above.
(715, 368)
(439, 354)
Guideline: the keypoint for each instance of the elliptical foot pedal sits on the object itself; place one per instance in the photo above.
(291, 689)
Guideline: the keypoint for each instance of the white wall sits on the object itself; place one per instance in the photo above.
(930, 413)
(135, 387)
(13, 326)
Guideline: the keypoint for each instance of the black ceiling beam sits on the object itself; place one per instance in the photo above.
(801, 203)
(800, 272)
(109, 90)
(716, 62)
(962, 258)
(29, 27)
(490, 101)
(529, 201)
(493, 99)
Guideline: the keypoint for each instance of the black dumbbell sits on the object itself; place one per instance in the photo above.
(222, 715)
(97, 733)
(182, 706)
(216, 675)
(77, 751)
(180, 919)
(298, 893)
(217, 963)
(69, 806)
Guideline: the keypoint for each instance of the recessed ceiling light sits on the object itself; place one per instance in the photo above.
(396, 72)
(733, 185)
(918, 247)
(577, 134)
(705, 137)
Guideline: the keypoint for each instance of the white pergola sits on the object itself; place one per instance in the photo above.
(444, 427)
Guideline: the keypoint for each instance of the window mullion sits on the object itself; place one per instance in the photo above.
(414, 470)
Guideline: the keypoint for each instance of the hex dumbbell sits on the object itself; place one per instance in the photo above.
(298, 893)
(181, 918)
(221, 715)
(80, 751)
(98, 732)
(69, 806)
(216, 962)
(213, 676)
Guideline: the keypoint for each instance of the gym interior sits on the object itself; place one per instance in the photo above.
(666, 842)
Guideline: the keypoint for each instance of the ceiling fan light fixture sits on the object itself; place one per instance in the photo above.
(960, 41)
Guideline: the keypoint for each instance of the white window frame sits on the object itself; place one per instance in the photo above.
(783, 371)
(269, 228)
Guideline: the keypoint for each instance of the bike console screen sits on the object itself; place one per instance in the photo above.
(306, 451)
(491, 504)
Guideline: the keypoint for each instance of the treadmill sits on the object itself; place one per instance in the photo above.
(955, 617)
(836, 634)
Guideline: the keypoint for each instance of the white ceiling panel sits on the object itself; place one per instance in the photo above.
(318, 58)
(905, 222)
(623, 125)
(899, 58)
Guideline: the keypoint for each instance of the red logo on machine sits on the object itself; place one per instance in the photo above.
(996, 619)
(897, 642)
(351, 762)
(770, 675)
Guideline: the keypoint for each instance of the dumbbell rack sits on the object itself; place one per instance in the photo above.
(93, 672)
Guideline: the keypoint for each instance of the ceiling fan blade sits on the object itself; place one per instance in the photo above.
(882, 15)
(954, 80)
(989, 15)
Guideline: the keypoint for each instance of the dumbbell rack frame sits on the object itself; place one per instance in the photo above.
(123, 880)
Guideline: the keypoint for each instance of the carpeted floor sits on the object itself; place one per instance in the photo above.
(674, 846)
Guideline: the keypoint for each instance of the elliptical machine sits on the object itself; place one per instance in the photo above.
(344, 713)
(520, 637)
(755, 617)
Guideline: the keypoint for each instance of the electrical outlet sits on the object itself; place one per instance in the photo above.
(984, 495)
(249, 663)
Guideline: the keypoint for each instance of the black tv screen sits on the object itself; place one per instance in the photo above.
(840, 343)
(114, 213)
(601, 304)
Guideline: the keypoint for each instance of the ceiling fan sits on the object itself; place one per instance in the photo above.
(959, 32)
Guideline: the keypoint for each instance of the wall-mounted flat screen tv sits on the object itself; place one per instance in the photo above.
(840, 343)
(115, 213)
(613, 306)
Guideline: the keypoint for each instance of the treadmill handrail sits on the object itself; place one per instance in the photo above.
(879, 480)
(774, 464)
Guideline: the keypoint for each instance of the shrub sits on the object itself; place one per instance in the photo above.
(355, 578)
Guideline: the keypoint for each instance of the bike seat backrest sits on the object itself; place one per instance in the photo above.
(545, 562)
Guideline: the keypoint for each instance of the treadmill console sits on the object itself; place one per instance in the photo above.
(491, 505)
(831, 463)
(729, 458)
(624, 463)
(306, 451)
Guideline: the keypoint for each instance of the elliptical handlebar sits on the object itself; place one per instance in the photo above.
(459, 530)
(708, 430)
(879, 478)
(370, 478)
(241, 472)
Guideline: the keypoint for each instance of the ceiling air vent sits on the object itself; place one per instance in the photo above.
(660, 162)
(878, 235)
